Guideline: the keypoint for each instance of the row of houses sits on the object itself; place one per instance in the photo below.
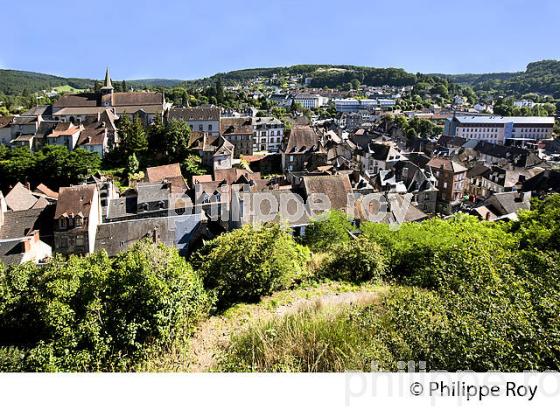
(363, 174)
(88, 120)
(369, 172)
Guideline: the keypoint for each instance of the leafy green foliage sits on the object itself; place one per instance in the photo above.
(483, 297)
(134, 139)
(328, 230)
(54, 165)
(540, 227)
(192, 165)
(247, 263)
(356, 261)
(92, 313)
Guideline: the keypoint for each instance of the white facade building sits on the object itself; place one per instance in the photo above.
(268, 133)
(310, 101)
(498, 129)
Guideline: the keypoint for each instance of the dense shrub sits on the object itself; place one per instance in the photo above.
(482, 296)
(415, 249)
(539, 228)
(448, 332)
(328, 230)
(356, 261)
(247, 263)
(53, 165)
(91, 313)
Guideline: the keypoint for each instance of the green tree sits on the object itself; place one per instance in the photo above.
(192, 165)
(328, 230)
(219, 91)
(97, 314)
(133, 136)
(250, 262)
(176, 140)
(358, 260)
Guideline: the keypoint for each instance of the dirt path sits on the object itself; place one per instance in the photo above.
(213, 335)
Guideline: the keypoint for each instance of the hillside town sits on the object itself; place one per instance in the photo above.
(359, 151)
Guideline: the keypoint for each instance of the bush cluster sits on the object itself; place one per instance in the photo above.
(96, 314)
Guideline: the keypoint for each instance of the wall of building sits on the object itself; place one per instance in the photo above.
(212, 127)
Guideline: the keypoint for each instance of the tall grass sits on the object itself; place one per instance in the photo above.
(312, 340)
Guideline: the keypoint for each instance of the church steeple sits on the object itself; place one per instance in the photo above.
(106, 92)
(107, 83)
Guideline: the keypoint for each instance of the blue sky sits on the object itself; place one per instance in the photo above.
(191, 39)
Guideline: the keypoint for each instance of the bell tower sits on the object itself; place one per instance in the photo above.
(107, 91)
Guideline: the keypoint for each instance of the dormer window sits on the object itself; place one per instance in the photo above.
(62, 223)
(79, 221)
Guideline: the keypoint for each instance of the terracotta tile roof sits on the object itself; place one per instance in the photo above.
(45, 190)
(75, 200)
(20, 198)
(178, 184)
(446, 164)
(236, 126)
(158, 174)
(76, 100)
(301, 138)
(137, 98)
(202, 113)
(93, 134)
(41, 203)
(335, 187)
(202, 178)
(6, 121)
(252, 158)
(65, 128)
(233, 175)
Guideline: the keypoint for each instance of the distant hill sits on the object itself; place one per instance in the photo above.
(476, 80)
(154, 82)
(14, 82)
(542, 77)
(321, 75)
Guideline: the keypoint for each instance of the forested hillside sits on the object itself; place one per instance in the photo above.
(542, 77)
(322, 75)
(13, 82)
